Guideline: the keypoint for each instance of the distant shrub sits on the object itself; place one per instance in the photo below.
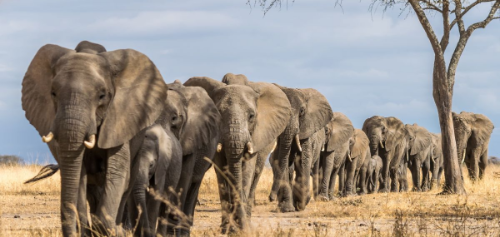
(11, 160)
(494, 160)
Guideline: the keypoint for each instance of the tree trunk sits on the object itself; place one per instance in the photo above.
(443, 94)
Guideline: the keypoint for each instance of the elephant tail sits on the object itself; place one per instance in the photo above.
(45, 172)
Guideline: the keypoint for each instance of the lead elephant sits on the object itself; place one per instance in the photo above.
(419, 147)
(80, 102)
(472, 135)
(339, 132)
(387, 140)
(310, 113)
(252, 116)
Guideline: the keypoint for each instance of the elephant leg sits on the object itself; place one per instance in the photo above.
(384, 186)
(273, 160)
(483, 162)
(474, 164)
(315, 176)
(375, 181)
(426, 167)
(301, 194)
(190, 204)
(350, 170)
(259, 167)
(415, 174)
(220, 162)
(434, 170)
(394, 176)
(248, 167)
(117, 178)
(285, 198)
(326, 159)
(182, 188)
(342, 178)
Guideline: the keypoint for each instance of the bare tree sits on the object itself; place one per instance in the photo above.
(443, 76)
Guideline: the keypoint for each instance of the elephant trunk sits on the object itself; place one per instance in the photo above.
(235, 143)
(71, 130)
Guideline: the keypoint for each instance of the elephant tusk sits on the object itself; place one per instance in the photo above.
(91, 143)
(219, 147)
(349, 156)
(323, 148)
(382, 144)
(48, 137)
(274, 147)
(297, 140)
(250, 148)
(463, 156)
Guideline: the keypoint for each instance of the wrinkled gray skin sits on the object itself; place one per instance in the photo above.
(77, 94)
(157, 166)
(403, 174)
(419, 146)
(359, 150)
(318, 144)
(339, 132)
(369, 175)
(310, 113)
(387, 140)
(472, 135)
(252, 116)
(194, 119)
(437, 165)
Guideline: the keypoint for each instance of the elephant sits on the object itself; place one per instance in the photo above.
(358, 152)
(472, 136)
(369, 175)
(387, 140)
(310, 114)
(437, 165)
(157, 167)
(194, 119)
(88, 105)
(339, 132)
(419, 147)
(252, 117)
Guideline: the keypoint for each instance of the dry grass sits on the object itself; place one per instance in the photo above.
(36, 208)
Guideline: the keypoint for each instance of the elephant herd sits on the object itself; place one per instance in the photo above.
(133, 150)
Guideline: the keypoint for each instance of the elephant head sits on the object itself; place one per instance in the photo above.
(383, 132)
(238, 79)
(471, 130)
(358, 145)
(339, 131)
(252, 116)
(88, 99)
(417, 139)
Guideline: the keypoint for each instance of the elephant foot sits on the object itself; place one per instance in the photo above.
(415, 189)
(323, 198)
(272, 197)
(286, 207)
(384, 190)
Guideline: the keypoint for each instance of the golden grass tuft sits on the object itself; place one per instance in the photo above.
(33, 210)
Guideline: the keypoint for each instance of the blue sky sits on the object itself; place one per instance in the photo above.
(365, 63)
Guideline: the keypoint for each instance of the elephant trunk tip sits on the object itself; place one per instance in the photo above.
(47, 138)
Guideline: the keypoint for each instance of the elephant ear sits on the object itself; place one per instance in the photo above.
(202, 122)
(422, 141)
(231, 79)
(139, 96)
(482, 127)
(37, 85)
(317, 114)
(340, 130)
(361, 143)
(395, 132)
(168, 149)
(272, 116)
(210, 85)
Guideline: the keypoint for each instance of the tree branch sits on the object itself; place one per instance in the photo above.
(467, 9)
(431, 6)
(427, 27)
(446, 25)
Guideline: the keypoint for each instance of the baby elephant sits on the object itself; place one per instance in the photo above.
(157, 167)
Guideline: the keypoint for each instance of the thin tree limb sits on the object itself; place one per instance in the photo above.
(436, 46)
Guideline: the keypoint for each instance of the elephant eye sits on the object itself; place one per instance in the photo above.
(302, 111)
(250, 116)
(53, 94)
(102, 96)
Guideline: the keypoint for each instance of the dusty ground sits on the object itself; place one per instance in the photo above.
(33, 210)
